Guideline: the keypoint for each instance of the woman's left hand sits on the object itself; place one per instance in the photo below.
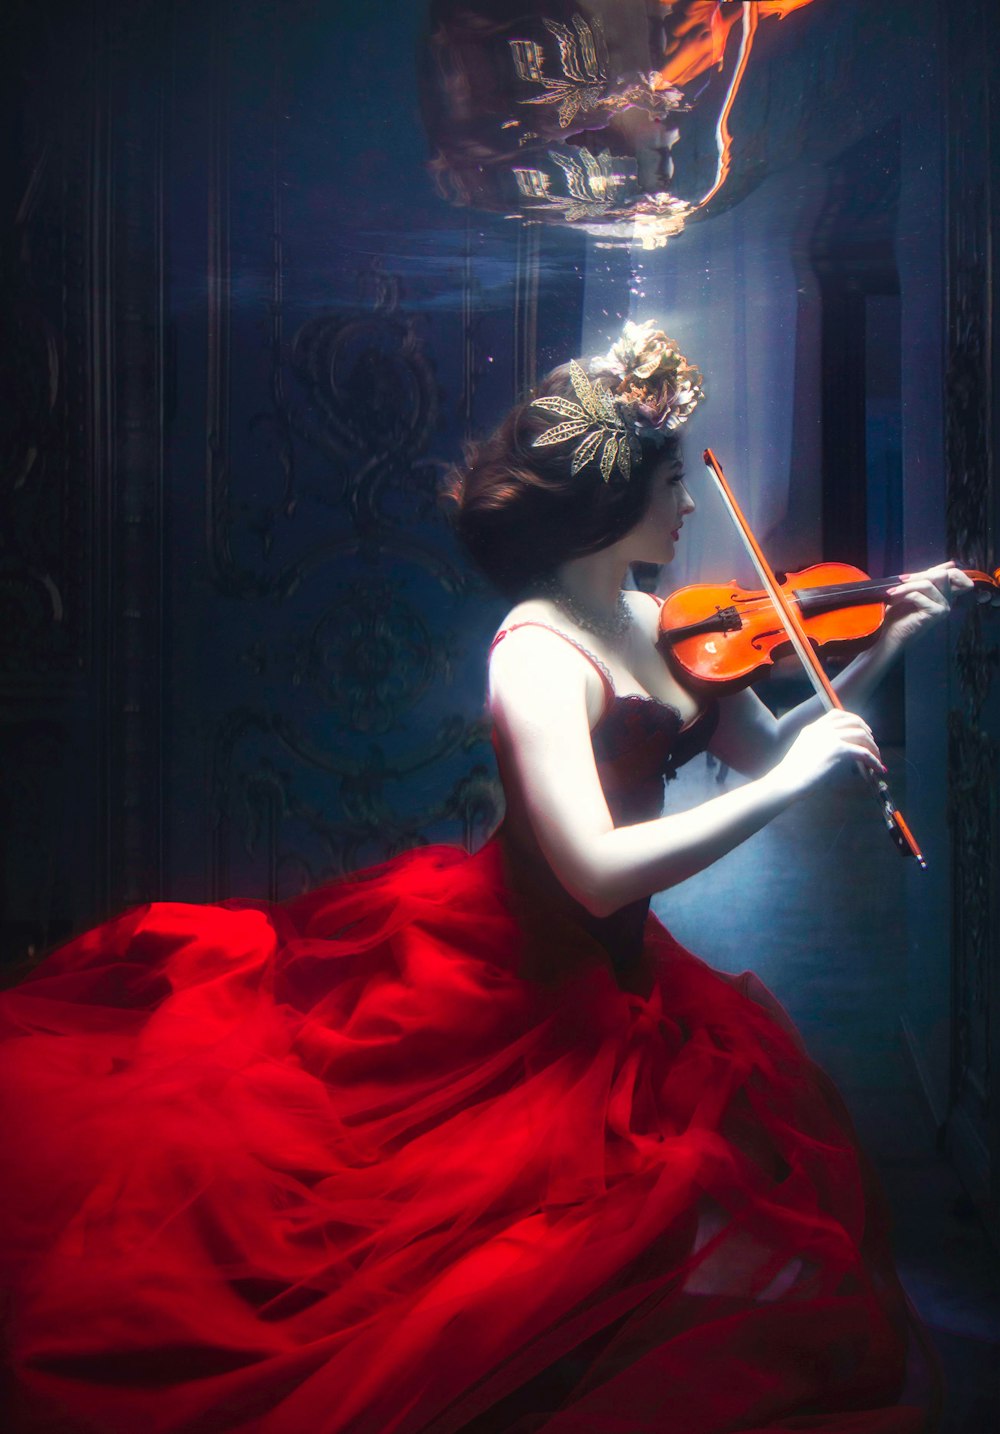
(922, 599)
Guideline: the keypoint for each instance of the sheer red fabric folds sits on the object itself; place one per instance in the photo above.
(336, 1166)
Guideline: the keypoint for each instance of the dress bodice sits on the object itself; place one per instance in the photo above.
(639, 743)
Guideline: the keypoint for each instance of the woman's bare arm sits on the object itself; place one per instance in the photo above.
(750, 739)
(545, 697)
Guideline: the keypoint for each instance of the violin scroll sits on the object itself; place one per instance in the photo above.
(987, 587)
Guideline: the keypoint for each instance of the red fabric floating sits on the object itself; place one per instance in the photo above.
(340, 1165)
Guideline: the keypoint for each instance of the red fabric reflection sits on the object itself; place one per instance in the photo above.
(698, 32)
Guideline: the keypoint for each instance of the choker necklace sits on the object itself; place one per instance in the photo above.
(612, 627)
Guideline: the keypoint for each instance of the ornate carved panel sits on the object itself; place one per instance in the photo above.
(127, 343)
(972, 33)
(323, 521)
(224, 573)
(80, 438)
(44, 555)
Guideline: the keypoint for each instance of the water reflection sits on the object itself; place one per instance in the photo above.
(610, 116)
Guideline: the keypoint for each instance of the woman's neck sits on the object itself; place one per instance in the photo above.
(595, 580)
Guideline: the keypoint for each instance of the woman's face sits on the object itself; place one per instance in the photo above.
(656, 535)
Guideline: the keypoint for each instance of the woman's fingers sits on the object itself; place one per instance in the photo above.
(856, 737)
(860, 739)
(921, 599)
(919, 584)
(870, 757)
(842, 718)
(830, 740)
(859, 743)
(919, 595)
(946, 579)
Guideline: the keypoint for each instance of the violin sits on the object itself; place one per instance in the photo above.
(721, 637)
(782, 613)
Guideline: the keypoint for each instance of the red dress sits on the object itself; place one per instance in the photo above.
(432, 1149)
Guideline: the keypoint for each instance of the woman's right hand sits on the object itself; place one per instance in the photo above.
(827, 743)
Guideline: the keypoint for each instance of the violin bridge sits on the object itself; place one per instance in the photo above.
(724, 619)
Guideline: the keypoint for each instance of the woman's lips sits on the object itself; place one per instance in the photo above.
(676, 533)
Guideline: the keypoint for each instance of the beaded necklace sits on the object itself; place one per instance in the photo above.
(613, 628)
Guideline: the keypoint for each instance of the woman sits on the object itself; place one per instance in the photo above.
(469, 1142)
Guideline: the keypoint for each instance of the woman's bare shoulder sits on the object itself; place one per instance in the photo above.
(535, 668)
(533, 610)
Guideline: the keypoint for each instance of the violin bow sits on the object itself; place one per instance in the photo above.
(895, 821)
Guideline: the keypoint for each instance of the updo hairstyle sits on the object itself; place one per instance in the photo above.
(521, 512)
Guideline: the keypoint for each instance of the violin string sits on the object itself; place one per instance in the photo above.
(864, 594)
(764, 604)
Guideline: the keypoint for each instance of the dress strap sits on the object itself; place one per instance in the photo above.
(602, 671)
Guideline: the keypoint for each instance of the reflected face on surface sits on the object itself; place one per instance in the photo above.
(568, 112)
(655, 537)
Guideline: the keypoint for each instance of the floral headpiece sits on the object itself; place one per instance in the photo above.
(652, 390)
(652, 382)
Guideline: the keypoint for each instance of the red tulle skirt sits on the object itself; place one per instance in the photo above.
(335, 1166)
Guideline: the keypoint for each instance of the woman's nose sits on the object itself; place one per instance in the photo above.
(687, 503)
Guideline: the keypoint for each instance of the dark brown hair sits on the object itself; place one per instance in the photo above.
(521, 512)
(469, 93)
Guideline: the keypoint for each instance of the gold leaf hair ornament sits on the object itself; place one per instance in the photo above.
(595, 420)
(651, 381)
(586, 83)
